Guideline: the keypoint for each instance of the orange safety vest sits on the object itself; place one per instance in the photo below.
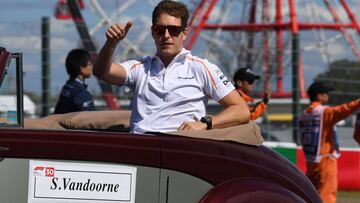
(330, 116)
(257, 109)
(311, 127)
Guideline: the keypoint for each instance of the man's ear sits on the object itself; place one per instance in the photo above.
(185, 33)
(238, 83)
(320, 97)
(81, 69)
(152, 33)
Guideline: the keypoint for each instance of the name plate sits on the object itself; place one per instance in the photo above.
(80, 182)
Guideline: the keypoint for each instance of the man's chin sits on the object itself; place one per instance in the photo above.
(167, 52)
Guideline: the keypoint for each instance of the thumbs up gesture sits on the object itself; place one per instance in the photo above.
(117, 32)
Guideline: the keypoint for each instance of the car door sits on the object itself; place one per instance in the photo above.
(176, 184)
(81, 152)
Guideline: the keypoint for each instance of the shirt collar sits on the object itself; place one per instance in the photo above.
(81, 82)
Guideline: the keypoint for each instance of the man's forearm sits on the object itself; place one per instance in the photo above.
(230, 116)
(104, 59)
(340, 112)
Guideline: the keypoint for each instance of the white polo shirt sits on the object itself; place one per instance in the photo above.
(163, 98)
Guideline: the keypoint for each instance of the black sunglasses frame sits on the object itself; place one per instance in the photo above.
(174, 30)
(250, 81)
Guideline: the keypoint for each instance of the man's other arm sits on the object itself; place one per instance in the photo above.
(235, 112)
(332, 115)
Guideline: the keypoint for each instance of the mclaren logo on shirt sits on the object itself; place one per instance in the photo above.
(186, 78)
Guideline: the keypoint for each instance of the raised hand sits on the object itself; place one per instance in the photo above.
(117, 32)
(267, 93)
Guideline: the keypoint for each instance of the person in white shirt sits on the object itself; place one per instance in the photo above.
(172, 88)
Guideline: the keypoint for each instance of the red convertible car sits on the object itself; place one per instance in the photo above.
(91, 157)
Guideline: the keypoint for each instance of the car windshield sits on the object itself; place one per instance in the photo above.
(11, 103)
(4, 59)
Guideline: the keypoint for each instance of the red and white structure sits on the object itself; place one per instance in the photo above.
(273, 20)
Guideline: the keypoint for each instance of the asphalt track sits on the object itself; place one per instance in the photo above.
(284, 134)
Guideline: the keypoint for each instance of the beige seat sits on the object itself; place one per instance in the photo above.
(119, 120)
(82, 120)
(246, 133)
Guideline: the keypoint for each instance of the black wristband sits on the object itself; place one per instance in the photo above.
(208, 121)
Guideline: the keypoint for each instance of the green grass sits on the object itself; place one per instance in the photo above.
(348, 197)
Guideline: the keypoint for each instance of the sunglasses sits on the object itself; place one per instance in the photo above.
(174, 30)
(250, 82)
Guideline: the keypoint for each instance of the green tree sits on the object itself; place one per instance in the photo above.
(344, 76)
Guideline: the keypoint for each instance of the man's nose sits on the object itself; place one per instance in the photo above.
(167, 33)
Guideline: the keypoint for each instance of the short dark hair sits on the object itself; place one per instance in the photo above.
(75, 59)
(173, 8)
(318, 88)
(312, 97)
